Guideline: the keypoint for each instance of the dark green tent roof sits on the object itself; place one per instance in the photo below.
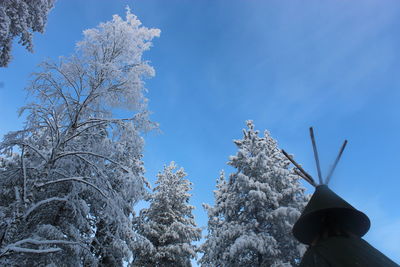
(323, 204)
(342, 251)
(333, 229)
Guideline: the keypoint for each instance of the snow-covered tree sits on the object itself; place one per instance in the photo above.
(68, 190)
(21, 18)
(251, 220)
(167, 226)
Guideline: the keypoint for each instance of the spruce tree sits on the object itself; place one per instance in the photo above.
(21, 18)
(251, 220)
(167, 225)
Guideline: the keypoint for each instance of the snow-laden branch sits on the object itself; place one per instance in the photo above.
(82, 131)
(24, 174)
(28, 145)
(94, 120)
(76, 179)
(43, 242)
(15, 247)
(52, 83)
(73, 153)
(42, 202)
(93, 165)
(98, 122)
(30, 250)
(74, 86)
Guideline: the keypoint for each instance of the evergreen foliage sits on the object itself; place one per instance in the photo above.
(250, 223)
(168, 225)
(21, 18)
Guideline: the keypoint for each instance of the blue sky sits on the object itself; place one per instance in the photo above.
(287, 65)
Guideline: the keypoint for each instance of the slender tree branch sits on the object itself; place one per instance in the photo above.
(44, 242)
(76, 179)
(93, 165)
(73, 153)
(95, 120)
(67, 79)
(42, 202)
(24, 175)
(58, 89)
(31, 147)
(30, 250)
(15, 247)
(80, 132)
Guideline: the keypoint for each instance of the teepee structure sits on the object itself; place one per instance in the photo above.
(332, 227)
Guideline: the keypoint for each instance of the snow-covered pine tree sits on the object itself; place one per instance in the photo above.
(67, 195)
(168, 225)
(21, 18)
(251, 220)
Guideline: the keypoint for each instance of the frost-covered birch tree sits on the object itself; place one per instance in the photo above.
(167, 226)
(70, 178)
(251, 220)
(21, 18)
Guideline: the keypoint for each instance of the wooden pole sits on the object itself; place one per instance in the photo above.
(305, 175)
(328, 178)
(316, 155)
